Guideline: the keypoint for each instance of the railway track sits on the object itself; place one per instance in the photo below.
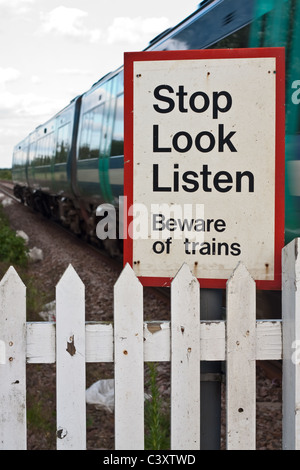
(7, 188)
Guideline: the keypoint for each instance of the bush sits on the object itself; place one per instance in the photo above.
(12, 248)
(5, 174)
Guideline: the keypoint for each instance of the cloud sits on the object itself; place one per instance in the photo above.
(27, 105)
(8, 74)
(135, 30)
(35, 79)
(68, 22)
(75, 72)
(18, 6)
(16, 3)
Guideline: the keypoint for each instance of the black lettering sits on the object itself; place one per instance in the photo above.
(186, 246)
(164, 99)
(193, 182)
(155, 222)
(205, 248)
(156, 187)
(205, 102)
(175, 178)
(220, 225)
(211, 144)
(235, 249)
(225, 140)
(158, 247)
(225, 245)
(199, 225)
(171, 225)
(156, 148)
(185, 224)
(189, 142)
(181, 94)
(216, 106)
(239, 176)
(205, 174)
(213, 246)
(222, 177)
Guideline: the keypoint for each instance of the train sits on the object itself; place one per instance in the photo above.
(71, 164)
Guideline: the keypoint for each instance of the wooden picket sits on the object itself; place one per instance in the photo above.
(185, 364)
(129, 362)
(241, 357)
(70, 362)
(291, 342)
(13, 432)
(239, 340)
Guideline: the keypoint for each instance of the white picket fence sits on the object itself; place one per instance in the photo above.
(71, 342)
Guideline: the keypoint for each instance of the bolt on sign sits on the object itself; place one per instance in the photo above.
(204, 164)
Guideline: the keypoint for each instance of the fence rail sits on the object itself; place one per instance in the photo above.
(70, 342)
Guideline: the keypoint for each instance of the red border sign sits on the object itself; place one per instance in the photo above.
(129, 163)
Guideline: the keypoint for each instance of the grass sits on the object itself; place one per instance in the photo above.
(157, 420)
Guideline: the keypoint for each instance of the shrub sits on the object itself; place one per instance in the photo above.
(12, 248)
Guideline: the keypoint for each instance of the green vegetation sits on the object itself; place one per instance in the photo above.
(13, 252)
(5, 174)
(41, 414)
(12, 248)
(157, 420)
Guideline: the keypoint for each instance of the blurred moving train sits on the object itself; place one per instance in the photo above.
(71, 164)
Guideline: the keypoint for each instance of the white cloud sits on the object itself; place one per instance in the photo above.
(67, 71)
(68, 22)
(35, 79)
(135, 30)
(27, 105)
(8, 74)
(18, 6)
(16, 3)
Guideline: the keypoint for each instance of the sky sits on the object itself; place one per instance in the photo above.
(52, 51)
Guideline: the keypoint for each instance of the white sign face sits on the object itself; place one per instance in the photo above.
(204, 167)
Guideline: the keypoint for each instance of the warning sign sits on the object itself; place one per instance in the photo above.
(204, 164)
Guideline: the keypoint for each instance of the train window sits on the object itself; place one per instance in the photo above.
(119, 82)
(63, 143)
(117, 145)
(84, 149)
(97, 123)
(45, 150)
(32, 151)
(90, 133)
(39, 153)
(108, 118)
(98, 129)
(237, 39)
